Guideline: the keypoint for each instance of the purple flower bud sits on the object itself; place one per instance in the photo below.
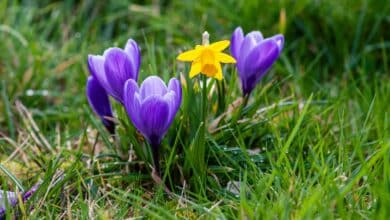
(100, 103)
(153, 106)
(12, 198)
(115, 67)
(255, 56)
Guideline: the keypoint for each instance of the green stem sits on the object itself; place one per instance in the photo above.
(245, 100)
(201, 149)
(204, 99)
(221, 98)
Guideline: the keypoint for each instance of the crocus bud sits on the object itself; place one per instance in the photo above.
(255, 56)
(100, 103)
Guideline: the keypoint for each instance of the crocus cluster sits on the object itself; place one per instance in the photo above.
(115, 67)
(108, 76)
(151, 108)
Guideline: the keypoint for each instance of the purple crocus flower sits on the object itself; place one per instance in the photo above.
(100, 103)
(12, 198)
(255, 56)
(152, 108)
(115, 67)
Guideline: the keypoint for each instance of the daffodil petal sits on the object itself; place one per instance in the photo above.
(219, 45)
(219, 75)
(195, 69)
(189, 55)
(224, 58)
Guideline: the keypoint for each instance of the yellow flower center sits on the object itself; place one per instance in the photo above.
(207, 58)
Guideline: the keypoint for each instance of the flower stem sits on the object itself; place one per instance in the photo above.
(204, 99)
(245, 100)
(156, 158)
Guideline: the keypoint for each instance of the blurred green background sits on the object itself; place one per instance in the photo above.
(45, 44)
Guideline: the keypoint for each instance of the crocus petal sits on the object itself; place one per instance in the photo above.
(118, 68)
(196, 67)
(219, 45)
(237, 39)
(96, 68)
(154, 116)
(262, 56)
(189, 55)
(171, 99)
(11, 198)
(279, 40)
(132, 103)
(99, 102)
(174, 86)
(152, 85)
(257, 36)
(247, 45)
(98, 98)
(224, 58)
(133, 52)
(250, 41)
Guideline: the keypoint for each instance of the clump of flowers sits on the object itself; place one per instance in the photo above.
(152, 106)
(109, 73)
(115, 67)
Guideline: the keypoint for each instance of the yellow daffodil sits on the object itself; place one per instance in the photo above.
(207, 59)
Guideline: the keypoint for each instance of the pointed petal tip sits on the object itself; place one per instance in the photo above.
(189, 55)
(238, 30)
(225, 58)
(279, 38)
(152, 85)
(220, 45)
(175, 86)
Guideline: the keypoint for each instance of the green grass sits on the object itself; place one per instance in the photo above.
(313, 142)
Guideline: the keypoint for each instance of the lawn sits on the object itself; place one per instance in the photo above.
(312, 142)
